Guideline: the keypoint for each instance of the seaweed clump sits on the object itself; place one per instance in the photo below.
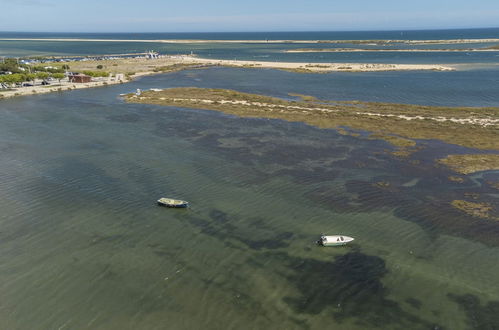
(351, 286)
(478, 210)
(478, 316)
(466, 164)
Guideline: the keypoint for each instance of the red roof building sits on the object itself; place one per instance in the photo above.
(79, 78)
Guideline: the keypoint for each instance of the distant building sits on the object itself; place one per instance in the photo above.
(79, 78)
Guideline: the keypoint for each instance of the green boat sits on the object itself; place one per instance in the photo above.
(170, 202)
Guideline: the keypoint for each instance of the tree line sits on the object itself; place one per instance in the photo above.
(20, 72)
(18, 78)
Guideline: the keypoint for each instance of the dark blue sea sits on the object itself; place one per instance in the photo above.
(318, 35)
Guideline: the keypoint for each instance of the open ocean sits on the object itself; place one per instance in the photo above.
(84, 246)
(262, 52)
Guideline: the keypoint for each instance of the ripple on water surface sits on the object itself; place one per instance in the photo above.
(81, 234)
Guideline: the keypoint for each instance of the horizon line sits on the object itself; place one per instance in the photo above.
(270, 31)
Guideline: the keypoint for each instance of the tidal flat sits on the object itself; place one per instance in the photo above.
(398, 124)
(83, 241)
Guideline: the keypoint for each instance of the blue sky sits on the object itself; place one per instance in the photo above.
(253, 15)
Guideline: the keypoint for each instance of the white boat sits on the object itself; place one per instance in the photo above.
(170, 202)
(334, 240)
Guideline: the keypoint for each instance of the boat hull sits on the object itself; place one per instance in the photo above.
(173, 203)
(175, 206)
(334, 244)
(338, 240)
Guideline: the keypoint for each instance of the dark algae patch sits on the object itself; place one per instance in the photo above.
(478, 315)
(348, 287)
(227, 228)
(415, 303)
(319, 161)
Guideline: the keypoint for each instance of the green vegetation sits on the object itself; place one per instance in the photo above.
(381, 184)
(456, 179)
(42, 75)
(394, 140)
(306, 98)
(405, 147)
(19, 78)
(12, 65)
(41, 68)
(478, 210)
(11, 79)
(58, 76)
(96, 74)
(467, 164)
(17, 73)
(178, 67)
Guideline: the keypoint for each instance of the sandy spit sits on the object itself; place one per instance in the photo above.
(192, 41)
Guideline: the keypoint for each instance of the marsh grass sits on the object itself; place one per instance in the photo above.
(467, 164)
(478, 210)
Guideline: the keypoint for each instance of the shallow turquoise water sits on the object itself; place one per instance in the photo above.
(83, 245)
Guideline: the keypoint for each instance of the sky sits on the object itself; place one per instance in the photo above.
(237, 16)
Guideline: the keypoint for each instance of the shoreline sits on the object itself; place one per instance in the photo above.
(197, 41)
(56, 87)
(326, 67)
(137, 67)
(352, 50)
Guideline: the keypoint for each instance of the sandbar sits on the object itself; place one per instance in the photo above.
(388, 50)
(263, 41)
